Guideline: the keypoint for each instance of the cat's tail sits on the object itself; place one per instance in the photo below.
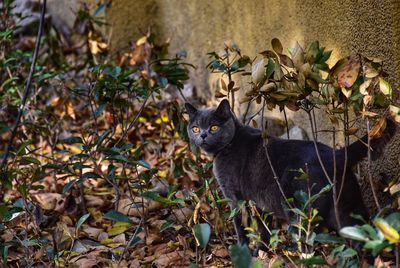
(359, 149)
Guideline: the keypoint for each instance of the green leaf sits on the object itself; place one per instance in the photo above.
(270, 68)
(315, 260)
(117, 216)
(68, 186)
(100, 9)
(348, 253)
(376, 246)
(240, 255)
(394, 220)
(166, 225)
(82, 220)
(72, 140)
(143, 163)
(90, 175)
(353, 233)
(327, 238)
(202, 234)
(31, 160)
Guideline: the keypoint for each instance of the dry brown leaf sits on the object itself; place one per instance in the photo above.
(378, 128)
(172, 259)
(219, 94)
(47, 201)
(220, 252)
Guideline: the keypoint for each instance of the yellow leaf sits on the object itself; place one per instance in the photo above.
(165, 118)
(70, 110)
(385, 87)
(162, 173)
(118, 228)
(395, 112)
(106, 241)
(142, 119)
(388, 231)
(347, 92)
(95, 213)
(141, 41)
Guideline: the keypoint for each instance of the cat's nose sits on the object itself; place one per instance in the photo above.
(203, 135)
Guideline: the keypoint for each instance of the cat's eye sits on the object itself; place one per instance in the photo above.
(214, 128)
(195, 129)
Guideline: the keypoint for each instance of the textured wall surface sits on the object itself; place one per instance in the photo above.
(370, 27)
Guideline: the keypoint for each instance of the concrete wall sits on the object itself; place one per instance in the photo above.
(370, 27)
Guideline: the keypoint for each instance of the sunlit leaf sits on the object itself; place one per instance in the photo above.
(395, 112)
(364, 86)
(385, 87)
(258, 71)
(388, 231)
(353, 233)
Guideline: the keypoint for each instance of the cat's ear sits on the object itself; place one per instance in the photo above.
(190, 109)
(224, 109)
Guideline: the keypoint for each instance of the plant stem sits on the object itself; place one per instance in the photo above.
(371, 183)
(28, 85)
(286, 122)
(324, 170)
(276, 178)
(346, 145)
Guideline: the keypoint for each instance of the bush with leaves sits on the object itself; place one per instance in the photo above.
(354, 87)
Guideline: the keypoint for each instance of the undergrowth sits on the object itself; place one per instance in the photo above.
(100, 172)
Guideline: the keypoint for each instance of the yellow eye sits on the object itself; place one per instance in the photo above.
(214, 128)
(195, 129)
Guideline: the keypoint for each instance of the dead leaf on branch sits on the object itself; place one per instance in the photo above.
(378, 128)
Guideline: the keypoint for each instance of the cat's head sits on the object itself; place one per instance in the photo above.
(211, 129)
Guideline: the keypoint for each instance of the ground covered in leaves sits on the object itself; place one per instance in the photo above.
(101, 173)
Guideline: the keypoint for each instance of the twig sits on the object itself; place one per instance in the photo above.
(346, 145)
(335, 203)
(276, 178)
(134, 121)
(28, 85)
(369, 169)
(246, 112)
(130, 241)
(286, 122)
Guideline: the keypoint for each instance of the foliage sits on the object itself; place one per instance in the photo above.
(101, 173)
(303, 80)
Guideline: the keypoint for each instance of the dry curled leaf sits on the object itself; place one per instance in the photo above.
(378, 128)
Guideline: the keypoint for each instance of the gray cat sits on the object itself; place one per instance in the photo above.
(243, 172)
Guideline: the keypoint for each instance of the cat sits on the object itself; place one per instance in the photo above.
(242, 170)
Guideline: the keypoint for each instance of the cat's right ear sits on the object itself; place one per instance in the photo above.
(190, 109)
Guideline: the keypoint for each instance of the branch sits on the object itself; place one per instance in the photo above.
(28, 86)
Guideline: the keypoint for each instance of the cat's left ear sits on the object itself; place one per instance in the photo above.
(224, 109)
(190, 109)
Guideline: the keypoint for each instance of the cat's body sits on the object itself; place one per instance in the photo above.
(243, 172)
